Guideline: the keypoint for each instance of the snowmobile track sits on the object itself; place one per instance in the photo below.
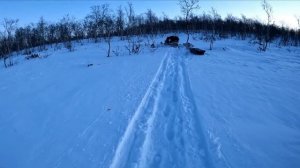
(165, 130)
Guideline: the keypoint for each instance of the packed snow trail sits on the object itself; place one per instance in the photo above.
(165, 131)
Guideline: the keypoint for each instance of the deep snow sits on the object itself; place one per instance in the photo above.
(233, 107)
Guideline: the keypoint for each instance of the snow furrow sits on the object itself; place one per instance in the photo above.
(165, 130)
(196, 135)
(123, 149)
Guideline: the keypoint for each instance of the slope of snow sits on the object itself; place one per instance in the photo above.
(233, 107)
(57, 112)
(250, 103)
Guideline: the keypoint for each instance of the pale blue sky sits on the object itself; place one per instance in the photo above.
(28, 11)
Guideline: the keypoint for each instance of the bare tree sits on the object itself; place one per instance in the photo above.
(187, 8)
(2, 46)
(66, 31)
(297, 33)
(269, 12)
(298, 21)
(245, 20)
(95, 19)
(41, 33)
(212, 37)
(151, 20)
(78, 29)
(133, 45)
(108, 25)
(9, 25)
(130, 15)
(120, 22)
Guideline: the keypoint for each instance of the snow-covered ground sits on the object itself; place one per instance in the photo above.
(234, 107)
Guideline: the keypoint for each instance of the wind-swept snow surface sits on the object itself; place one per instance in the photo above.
(234, 107)
(250, 103)
(57, 112)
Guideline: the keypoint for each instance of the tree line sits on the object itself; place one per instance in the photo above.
(102, 23)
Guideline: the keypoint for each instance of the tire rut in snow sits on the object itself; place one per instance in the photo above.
(164, 130)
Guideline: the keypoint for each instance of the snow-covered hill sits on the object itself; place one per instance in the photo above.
(234, 107)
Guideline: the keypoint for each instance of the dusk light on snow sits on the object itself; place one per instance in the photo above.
(149, 84)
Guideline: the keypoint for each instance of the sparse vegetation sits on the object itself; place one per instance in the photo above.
(102, 24)
(265, 35)
(9, 25)
(187, 8)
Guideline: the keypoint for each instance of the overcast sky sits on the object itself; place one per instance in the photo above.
(29, 11)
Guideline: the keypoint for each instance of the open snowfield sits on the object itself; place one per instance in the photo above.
(234, 107)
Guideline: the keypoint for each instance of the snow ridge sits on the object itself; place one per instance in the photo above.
(165, 130)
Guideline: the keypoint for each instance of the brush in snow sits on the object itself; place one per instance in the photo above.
(32, 56)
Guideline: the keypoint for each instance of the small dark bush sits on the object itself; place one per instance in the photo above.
(32, 56)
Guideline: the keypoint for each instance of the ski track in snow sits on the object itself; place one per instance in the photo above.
(165, 130)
